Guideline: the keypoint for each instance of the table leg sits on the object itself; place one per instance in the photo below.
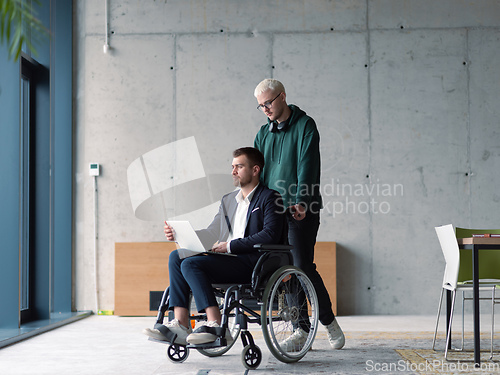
(475, 286)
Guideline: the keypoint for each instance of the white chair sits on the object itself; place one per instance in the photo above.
(451, 252)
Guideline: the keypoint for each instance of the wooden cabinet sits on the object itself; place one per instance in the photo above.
(142, 268)
(325, 258)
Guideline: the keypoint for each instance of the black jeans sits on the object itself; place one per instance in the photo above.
(302, 236)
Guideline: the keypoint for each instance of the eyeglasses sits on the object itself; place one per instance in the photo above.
(268, 104)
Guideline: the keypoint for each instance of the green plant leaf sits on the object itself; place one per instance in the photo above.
(19, 26)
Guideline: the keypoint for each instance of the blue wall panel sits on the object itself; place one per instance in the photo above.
(9, 190)
(52, 232)
(61, 83)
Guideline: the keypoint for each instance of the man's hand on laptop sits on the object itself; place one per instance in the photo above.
(169, 232)
(219, 247)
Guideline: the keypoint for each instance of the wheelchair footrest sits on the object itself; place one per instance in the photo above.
(169, 335)
(219, 341)
(158, 341)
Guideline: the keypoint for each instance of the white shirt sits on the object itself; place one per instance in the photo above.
(240, 217)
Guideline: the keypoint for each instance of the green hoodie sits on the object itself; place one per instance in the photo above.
(292, 161)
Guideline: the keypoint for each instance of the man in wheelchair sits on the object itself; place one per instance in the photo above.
(251, 215)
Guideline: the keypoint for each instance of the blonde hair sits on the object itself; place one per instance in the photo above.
(269, 84)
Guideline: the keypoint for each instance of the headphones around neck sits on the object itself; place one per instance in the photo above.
(275, 127)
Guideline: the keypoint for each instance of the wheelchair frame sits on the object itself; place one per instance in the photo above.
(287, 299)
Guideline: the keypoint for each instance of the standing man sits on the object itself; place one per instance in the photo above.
(290, 144)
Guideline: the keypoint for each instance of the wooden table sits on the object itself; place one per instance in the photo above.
(476, 244)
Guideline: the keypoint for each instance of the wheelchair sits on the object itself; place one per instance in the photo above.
(285, 297)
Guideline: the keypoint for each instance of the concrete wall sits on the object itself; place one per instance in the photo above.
(405, 95)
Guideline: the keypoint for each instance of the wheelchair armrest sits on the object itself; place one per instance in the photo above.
(272, 247)
(273, 257)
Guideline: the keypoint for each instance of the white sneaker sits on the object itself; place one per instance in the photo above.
(203, 333)
(295, 342)
(175, 327)
(336, 337)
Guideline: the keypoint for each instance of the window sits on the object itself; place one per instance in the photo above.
(27, 188)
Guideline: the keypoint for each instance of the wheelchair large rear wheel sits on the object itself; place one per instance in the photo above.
(289, 314)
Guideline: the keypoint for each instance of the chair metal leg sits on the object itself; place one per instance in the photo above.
(437, 319)
(448, 336)
(463, 319)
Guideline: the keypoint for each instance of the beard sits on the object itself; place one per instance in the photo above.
(241, 182)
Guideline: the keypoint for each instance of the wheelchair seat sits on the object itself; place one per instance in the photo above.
(273, 257)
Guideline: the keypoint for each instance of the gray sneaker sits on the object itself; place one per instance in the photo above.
(295, 342)
(173, 326)
(336, 337)
(205, 332)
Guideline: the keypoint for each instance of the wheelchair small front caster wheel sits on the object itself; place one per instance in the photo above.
(177, 353)
(251, 356)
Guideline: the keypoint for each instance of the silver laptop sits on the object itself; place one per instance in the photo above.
(188, 241)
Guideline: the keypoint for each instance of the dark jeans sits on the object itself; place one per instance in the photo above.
(302, 236)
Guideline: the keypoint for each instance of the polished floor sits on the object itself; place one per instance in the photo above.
(114, 345)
